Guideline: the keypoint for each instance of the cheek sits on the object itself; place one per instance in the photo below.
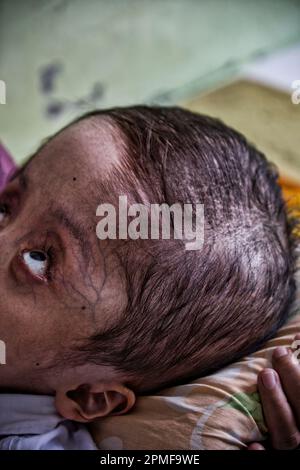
(35, 332)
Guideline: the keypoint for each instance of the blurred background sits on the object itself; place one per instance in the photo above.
(234, 59)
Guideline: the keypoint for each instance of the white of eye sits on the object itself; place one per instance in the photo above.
(37, 262)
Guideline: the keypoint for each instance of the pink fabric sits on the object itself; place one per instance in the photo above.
(7, 166)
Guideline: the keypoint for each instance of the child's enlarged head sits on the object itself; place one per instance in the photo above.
(145, 313)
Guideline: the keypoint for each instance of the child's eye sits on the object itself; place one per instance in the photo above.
(4, 212)
(37, 262)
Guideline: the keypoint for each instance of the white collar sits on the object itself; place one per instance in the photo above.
(27, 414)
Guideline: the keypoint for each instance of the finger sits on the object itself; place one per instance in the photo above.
(285, 362)
(255, 446)
(277, 411)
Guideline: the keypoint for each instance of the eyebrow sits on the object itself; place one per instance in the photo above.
(74, 228)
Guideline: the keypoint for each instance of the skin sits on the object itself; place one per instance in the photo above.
(280, 394)
(49, 207)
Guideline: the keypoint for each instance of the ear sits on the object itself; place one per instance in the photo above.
(88, 402)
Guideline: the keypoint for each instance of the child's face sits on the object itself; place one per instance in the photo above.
(58, 283)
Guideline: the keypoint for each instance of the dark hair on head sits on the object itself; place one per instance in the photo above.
(192, 312)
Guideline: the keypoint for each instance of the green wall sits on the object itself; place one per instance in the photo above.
(61, 58)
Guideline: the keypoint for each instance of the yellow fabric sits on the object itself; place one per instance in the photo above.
(291, 192)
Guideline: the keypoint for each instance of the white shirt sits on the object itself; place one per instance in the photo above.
(31, 422)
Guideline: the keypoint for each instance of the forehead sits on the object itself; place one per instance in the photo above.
(87, 149)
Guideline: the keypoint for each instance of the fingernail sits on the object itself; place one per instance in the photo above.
(280, 352)
(269, 379)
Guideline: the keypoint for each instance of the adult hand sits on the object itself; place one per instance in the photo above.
(279, 389)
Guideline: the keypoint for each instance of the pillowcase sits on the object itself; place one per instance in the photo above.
(218, 412)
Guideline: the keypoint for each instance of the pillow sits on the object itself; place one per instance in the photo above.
(218, 412)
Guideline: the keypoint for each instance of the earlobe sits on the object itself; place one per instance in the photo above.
(86, 402)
